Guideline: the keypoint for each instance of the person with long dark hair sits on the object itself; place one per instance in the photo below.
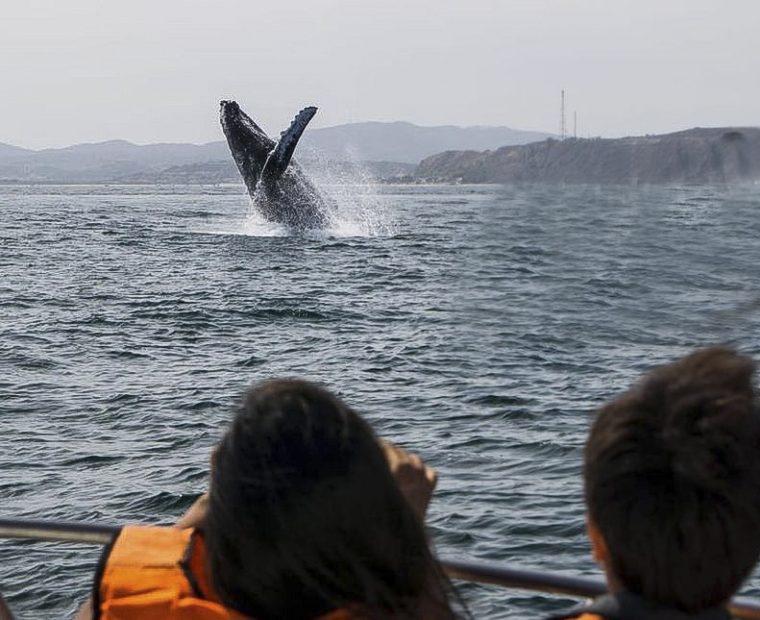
(309, 515)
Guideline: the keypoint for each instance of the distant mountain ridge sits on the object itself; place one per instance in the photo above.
(115, 160)
(11, 151)
(699, 155)
(408, 143)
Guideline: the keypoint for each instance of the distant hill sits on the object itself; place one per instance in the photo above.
(102, 161)
(115, 160)
(10, 151)
(715, 155)
(408, 143)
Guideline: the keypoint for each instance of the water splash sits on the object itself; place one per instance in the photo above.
(358, 209)
(256, 226)
(356, 206)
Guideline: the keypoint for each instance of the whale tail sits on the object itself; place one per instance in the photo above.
(282, 153)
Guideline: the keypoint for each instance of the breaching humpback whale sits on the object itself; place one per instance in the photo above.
(276, 183)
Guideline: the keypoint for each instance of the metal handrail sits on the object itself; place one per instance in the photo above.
(554, 583)
(522, 579)
(481, 572)
(61, 531)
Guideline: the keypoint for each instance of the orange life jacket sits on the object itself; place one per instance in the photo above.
(157, 573)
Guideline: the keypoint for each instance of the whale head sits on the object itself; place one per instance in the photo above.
(248, 143)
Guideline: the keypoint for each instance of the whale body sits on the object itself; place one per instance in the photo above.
(279, 188)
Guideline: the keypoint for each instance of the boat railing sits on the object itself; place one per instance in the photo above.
(480, 572)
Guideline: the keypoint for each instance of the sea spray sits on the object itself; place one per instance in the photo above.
(357, 209)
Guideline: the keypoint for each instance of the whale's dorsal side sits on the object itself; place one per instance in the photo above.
(278, 160)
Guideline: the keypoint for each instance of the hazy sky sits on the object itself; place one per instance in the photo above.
(154, 70)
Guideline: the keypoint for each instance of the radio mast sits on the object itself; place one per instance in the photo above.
(562, 127)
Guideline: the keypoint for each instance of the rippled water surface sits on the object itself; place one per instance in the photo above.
(479, 326)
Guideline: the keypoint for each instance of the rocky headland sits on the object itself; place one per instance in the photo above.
(714, 155)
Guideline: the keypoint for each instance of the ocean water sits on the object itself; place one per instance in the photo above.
(477, 325)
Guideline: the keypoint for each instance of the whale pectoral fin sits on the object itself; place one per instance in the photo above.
(280, 156)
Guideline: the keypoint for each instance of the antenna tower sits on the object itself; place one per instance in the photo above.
(575, 124)
(562, 128)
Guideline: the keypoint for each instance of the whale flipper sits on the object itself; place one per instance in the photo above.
(280, 157)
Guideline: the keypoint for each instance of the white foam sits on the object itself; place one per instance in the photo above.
(256, 226)
(358, 208)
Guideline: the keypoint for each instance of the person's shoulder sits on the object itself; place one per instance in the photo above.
(578, 615)
(605, 607)
(629, 606)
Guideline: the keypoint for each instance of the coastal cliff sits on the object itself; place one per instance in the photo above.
(715, 155)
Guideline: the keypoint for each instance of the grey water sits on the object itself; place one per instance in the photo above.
(479, 326)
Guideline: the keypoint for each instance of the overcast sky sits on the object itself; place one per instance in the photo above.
(154, 70)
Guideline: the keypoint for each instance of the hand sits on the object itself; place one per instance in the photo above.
(195, 515)
(415, 479)
(5, 612)
(85, 611)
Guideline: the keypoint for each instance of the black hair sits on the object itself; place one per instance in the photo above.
(305, 517)
(672, 481)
